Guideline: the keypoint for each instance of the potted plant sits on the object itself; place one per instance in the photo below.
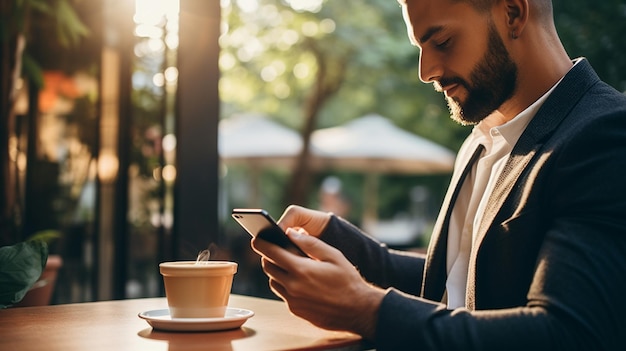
(28, 272)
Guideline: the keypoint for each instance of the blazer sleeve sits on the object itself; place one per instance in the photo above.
(376, 262)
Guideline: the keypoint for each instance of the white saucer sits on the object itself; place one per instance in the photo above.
(161, 319)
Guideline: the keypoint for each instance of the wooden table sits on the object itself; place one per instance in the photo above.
(115, 325)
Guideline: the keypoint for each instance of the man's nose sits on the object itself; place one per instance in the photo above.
(430, 68)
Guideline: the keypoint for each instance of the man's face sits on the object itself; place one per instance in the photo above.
(463, 55)
(491, 83)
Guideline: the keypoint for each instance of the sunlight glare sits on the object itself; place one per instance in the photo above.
(282, 90)
(150, 12)
(310, 28)
(290, 37)
(169, 173)
(169, 142)
(301, 70)
(158, 80)
(108, 164)
(305, 5)
(156, 45)
(171, 39)
(227, 61)
(148, 31)
(248, 6)
(268, 73)
(327, 26)
(171, 74)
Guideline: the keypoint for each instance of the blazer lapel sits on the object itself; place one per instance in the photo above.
(434, 282)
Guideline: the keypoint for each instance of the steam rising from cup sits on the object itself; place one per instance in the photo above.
(203, 256)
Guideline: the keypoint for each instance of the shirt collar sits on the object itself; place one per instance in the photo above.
(513, 129)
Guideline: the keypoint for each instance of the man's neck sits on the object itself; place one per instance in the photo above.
(541, 62)
(531, 87)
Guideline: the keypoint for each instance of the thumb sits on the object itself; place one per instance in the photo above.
(312, 246)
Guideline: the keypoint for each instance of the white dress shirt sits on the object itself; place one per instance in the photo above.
(473, 196)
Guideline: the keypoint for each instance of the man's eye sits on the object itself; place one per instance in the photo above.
(444, 44)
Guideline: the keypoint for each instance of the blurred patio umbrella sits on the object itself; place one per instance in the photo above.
(374, 145)
(255, 141)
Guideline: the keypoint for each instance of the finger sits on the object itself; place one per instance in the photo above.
(275, 253)
(264, 247)
(279, 290)
(313, 246)
(291, 217)
(273, 271)
(312, 220)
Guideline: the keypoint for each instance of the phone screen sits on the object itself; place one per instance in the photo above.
(258, 222)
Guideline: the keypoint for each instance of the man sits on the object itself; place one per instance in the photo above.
(530, 251)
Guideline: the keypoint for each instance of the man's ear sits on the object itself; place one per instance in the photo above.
(516, 16)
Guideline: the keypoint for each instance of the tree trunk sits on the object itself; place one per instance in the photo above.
(327, 82)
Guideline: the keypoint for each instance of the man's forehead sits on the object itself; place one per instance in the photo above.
(424, 18)
(421, 17)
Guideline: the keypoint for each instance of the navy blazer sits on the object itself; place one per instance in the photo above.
(548, 269)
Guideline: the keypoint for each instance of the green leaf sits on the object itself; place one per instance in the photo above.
(20, 267)
(40, 5)
(47, 235)
(70, 28)
(32, 70)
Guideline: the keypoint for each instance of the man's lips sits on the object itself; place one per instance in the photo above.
(449, 90)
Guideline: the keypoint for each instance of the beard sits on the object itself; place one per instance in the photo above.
(492, 82)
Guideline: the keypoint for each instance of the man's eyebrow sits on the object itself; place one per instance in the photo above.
(429, 33)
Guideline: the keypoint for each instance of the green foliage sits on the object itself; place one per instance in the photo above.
(59, 15)
(68, 26)
(21, 266)
(595, 29)
(32, 70)
(70, 29)
(47, 236)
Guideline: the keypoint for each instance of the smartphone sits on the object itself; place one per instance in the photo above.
(258, 222)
